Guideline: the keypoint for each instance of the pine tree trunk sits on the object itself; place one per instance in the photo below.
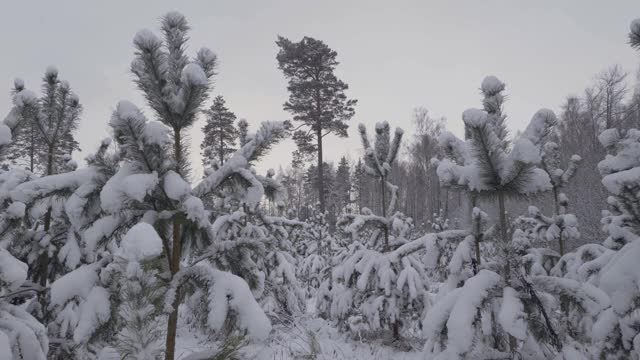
(446, 203)
(396, 330)
(172, 323)
(32, 150)
(320, 168)
(384, 213)
(557, 209)
(44, 257)
(504, 235)
(221, 150)
(477, 242)
(513, 343)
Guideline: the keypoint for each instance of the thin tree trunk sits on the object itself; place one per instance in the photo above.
(44, 257)
(320, 169)
(221, 155)
(477, 242)
(32, 150)
(513, 343)
(384, 213)
(446, 203)
(557, 210)
(172, 323)
(504, 235)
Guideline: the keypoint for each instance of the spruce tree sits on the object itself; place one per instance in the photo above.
(342, 189)
(220, 134)
(361, 186)
(316, 97)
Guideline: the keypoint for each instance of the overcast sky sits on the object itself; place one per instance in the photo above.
(395, 55)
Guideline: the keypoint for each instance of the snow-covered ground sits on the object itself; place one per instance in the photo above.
(306, 337)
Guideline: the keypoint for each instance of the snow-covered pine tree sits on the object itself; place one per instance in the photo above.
(561, 226)
(451, 261)
(486, 163)
(498, 310)
(45, 134)
(220, 133)
(316, 98)
(378, 282)
(45, 138)
(315, 248)
(284, 296)
(175, 87)
(150, 186)
(129, 198)
(76, 207)
(21, 335)
(614, 267)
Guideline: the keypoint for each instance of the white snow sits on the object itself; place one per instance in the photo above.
(194, 75)
(146, 38)
(77, 283)
(25, 98)
(96, 310)
(512, 317)
(156, 133)
(13, 272)
(5, 134)
(459, 325)
(525, 151)
(609, 137)
(474, 117)
(226, 292)
(141, 242)
(70, 252)
(137, 186)
(539, 125)
(620, 278)
(174, 186)
(492, 85)
(16, 210)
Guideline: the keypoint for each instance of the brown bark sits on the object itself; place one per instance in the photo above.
(174, 264)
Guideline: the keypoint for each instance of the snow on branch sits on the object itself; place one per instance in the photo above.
(226, 293)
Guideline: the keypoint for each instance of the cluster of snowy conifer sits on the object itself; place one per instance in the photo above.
(109, 260)
(110, 252)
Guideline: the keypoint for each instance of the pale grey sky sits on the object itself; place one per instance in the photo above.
(395, 55)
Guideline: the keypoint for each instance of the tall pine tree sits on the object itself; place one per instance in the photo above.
(316, 97)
